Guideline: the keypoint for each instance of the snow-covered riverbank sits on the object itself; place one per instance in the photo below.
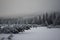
(39, 33)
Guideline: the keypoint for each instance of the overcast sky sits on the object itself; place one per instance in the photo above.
(26, 7)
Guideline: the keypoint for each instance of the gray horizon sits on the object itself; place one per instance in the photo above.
(14, 8)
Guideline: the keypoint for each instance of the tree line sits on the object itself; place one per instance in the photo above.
(45, 19)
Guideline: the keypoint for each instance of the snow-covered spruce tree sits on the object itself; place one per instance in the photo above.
(46, 21)
(50, 21)
(58, 19)
(54, 18)
(40, 22)
(0, 29)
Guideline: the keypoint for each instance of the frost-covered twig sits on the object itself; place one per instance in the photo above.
(10, 37)
(2, 38)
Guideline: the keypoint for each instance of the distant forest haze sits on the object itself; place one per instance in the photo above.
(15, 8)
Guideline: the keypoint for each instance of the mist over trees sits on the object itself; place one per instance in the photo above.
(45, 19)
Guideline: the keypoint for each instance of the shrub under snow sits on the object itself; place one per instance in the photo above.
(14, 29)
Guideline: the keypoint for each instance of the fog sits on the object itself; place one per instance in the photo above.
(13, 8)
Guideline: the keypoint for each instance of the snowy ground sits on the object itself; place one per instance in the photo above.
(40, 33)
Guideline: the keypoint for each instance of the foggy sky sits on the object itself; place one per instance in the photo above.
(14, 8)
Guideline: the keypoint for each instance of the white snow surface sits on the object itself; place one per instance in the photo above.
(39, 33)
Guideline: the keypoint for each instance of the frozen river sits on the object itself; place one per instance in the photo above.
(40, 33)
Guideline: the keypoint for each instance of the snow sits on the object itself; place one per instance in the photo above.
(39, 33)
